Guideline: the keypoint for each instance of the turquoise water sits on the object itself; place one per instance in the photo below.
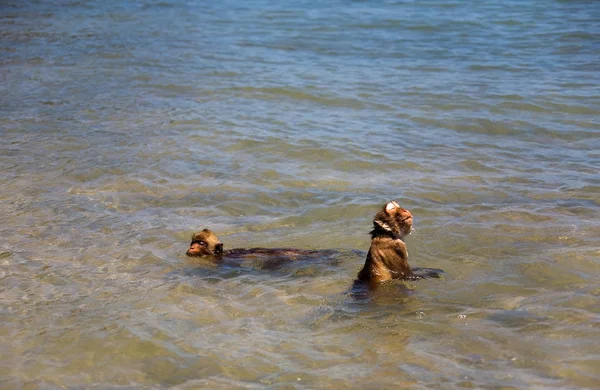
(126, 126)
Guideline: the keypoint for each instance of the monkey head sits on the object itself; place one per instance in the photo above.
(205, 243)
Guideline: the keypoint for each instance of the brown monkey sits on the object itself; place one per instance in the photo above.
(206, 243)
(388, 258)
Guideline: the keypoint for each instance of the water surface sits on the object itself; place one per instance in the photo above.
(126, 126)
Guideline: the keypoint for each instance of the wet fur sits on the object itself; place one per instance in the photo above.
(205, 243)
(387, 258)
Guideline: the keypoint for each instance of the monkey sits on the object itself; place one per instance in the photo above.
(387, 258)
(205, 243)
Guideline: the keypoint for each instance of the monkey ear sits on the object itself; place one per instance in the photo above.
(382, 225)
(391, 206)
(219, 248)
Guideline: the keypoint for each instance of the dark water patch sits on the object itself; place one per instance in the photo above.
(477, 166)
(574, 109)
(485, 126)
(288, 93)
(523, 106)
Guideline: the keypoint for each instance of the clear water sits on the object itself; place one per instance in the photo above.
(125, 126)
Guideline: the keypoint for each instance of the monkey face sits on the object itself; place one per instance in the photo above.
(205, 243)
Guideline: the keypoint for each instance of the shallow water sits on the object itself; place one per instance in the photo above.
(126, 126)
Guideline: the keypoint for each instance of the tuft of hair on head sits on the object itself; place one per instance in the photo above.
(392, 205)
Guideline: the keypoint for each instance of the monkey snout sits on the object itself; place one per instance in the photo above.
(194, 250)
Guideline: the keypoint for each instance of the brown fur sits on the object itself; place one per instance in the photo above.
(205, 243)
(388, 258)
